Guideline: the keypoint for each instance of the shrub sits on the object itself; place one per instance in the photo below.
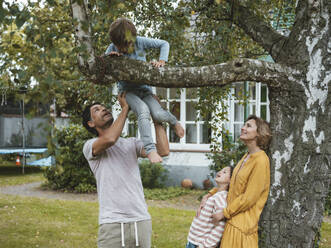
(230, 154)
(152, 175)
(72, 171)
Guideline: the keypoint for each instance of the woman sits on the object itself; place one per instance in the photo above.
(249, 188)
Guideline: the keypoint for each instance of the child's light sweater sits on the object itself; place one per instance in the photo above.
(203, 232)
(141, 45)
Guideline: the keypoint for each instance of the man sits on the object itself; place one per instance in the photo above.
(123, 217)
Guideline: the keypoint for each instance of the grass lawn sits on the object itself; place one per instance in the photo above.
(326, 235)
(12, 175)
(32, 222)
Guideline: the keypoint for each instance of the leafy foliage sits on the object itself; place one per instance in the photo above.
(152, 175)
(72, 172)
(230, 154)
(165, 193)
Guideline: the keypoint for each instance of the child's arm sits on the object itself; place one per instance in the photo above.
(211, 192)
(148, 43)
(213, 238)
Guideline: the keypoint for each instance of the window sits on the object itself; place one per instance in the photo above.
(257, 104)
(182, 104)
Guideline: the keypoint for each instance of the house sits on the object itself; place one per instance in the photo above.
(187, 157)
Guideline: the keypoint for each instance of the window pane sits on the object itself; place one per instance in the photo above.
(237, 130)
(205, 134)
(191, 93)
(174, 93)
(191, 133)
(191, 112)
(132, 130)
(263, 93)
(161, 93)
(252, 90)
(239, 112)
(175, 109)
(253, 109)
(264, 112)
(239, 89)
(173, 138)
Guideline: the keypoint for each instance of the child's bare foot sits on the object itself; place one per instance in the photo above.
(154, 157)
(179, 130)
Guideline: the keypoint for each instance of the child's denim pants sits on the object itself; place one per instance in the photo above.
(143, 104)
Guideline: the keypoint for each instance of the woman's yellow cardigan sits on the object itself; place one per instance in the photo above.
(248, 192)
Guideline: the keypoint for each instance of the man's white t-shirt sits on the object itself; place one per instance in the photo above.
(120, 191)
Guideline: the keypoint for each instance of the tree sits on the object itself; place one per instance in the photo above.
(37, 43)
(299, 86)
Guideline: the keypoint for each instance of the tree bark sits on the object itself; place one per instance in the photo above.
(301, 148)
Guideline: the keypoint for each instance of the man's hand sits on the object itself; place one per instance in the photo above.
(217, 217)
(158, 64)
(113, 53)
(122, 100)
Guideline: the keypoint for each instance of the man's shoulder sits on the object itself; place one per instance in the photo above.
(88, 143)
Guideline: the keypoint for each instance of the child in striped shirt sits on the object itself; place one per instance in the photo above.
(203, 232)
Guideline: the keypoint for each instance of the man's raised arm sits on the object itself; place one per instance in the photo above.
(109, 136)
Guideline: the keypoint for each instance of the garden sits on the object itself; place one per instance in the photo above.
(32, 221)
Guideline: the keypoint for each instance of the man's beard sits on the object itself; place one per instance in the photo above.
(109, 123)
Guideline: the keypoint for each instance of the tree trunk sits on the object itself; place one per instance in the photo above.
(301, 148)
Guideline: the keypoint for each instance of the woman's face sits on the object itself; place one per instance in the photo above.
(249, 131)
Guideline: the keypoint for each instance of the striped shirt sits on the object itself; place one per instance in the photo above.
(203, 232)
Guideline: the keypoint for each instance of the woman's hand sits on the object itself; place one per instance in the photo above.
(217, 217)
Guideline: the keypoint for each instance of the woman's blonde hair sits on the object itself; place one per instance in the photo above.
(263, 131)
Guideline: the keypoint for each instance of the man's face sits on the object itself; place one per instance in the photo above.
(100, 117)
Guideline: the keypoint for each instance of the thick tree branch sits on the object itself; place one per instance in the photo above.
(257, 29)
(121, 68)
(86, 58)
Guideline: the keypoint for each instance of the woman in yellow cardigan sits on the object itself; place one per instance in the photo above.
(249, 188)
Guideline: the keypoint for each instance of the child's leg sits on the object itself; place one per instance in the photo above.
(143, 115)
(190, 245)
(161, 115)
(144, 126)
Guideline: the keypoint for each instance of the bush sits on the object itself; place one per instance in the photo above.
(230, 154)
(152, 175)
(166, 193)
(72, 171)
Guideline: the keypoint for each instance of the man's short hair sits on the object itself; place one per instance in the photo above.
(87, 117)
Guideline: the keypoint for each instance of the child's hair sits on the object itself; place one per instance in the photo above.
(122, 32)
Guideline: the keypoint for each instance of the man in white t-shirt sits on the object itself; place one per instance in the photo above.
(124, 220)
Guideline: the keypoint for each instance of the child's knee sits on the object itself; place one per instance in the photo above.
(158, 116)
(144, 113)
